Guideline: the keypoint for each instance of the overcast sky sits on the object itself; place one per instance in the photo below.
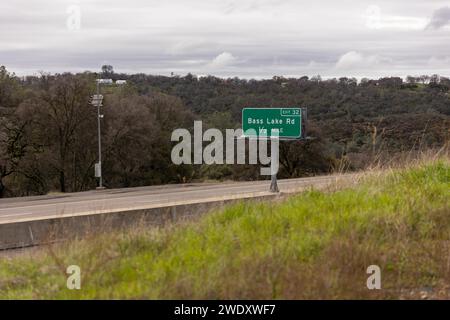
(246, 38)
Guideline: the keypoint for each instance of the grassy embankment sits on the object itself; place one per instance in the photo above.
(317, 244)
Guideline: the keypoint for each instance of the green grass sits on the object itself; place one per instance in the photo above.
(317, 244)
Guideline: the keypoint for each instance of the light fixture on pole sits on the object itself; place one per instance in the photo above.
(97, 101)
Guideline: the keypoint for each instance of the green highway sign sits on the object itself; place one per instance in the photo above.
(263, 122)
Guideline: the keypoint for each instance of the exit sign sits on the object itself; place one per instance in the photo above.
(264, 122)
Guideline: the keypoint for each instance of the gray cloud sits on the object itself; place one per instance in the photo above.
(245, 38)
(440, 18)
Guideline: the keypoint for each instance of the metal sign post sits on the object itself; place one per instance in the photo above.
(274, 154)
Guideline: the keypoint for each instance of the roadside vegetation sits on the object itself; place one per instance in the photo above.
(317, 244)
(48, 128)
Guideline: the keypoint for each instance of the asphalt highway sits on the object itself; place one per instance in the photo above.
(116, 200)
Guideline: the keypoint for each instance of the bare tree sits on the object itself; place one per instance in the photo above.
(60, 118)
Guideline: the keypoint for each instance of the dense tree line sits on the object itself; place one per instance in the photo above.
(48, 129)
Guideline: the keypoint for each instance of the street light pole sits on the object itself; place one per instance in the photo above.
(100, 184)
(96, 101)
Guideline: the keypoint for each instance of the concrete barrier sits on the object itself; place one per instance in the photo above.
(36, 232)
